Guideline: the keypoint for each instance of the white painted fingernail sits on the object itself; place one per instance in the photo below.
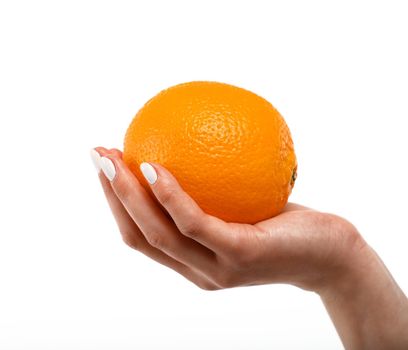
(108, 168)
(96, 160)
(149, 173)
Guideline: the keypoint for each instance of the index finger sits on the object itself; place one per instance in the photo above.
(190, 219)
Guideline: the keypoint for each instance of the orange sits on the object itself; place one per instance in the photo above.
(229, 148)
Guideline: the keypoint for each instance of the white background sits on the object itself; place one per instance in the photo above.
(72, 76)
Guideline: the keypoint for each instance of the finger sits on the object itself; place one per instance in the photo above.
(127, 227)
(133, 237)
(187, 215)
(116, 153)
(159, 230)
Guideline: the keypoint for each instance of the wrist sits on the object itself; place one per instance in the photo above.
(368, 308)
(350, 270)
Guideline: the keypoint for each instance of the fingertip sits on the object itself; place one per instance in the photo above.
(149, 172)
(116, 152)
(163, 172)
(100, 150)
(96, 159)
(108, 167)
(166, 187)
(159, 168)
(116, 169)
(96, 155)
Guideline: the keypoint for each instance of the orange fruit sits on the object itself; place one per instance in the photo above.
(229, 148)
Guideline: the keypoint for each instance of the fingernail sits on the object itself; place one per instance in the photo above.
(149, 173)
(96, 160)
(108, 168)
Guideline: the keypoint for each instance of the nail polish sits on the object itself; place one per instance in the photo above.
(148, 172)
(96, 160)
(108, 168)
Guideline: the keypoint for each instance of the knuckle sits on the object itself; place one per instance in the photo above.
(191, 229)
(155, 240)
(167, 194)
(129, 240)
(196, 224)
(123, 192)
(207, 286)
(225, 278)
(201, 282)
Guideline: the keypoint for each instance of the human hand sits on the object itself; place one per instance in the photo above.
(312, 250)
(300, 246)
(303, 247)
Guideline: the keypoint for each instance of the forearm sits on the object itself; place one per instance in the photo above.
(367, 307)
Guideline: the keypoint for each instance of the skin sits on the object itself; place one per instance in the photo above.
(314, 251)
